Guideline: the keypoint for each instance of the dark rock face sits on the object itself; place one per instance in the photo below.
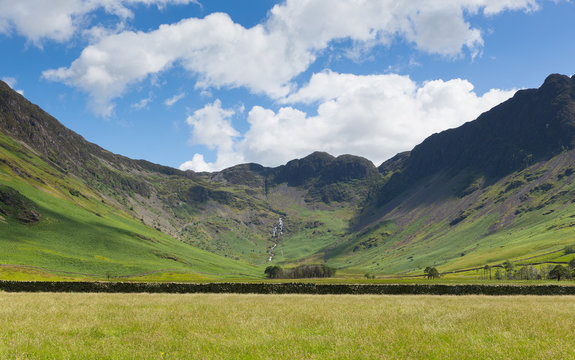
(245, 174)
(348, 167)
(16, 205)
(200, 194)
(299, 171)
(324, 169)
(396, 163)
(534, 125)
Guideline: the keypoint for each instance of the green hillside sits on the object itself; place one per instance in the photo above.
(527, 214)
(78, 233)
(495, 189)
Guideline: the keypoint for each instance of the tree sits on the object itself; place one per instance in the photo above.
(274, 272)
(308, 271)
(508, 265)
(431, 272)
(544, 270)
(531, 272)
(558, 272)
(571, 268)
(528, 272)
(487, 270)
(498, 274)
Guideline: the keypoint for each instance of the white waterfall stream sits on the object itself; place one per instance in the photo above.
(277, 231)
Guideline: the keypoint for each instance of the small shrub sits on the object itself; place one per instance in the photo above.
(274, 272)
(431, 272)
(74, 192)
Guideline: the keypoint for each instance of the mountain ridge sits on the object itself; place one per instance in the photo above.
(513, 165)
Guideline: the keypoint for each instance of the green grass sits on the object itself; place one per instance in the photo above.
(308, 244)
(145, 326)
(69, 238)
(84, 236)
(536, 222)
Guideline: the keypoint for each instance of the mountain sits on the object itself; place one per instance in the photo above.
(496, 188)
(68, 207)
(230, 213)
(532, 126)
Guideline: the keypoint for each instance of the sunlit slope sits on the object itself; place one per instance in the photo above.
(78, 231)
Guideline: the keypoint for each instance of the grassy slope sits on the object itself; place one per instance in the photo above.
(146, 326)
(527, 214)
(83, 234)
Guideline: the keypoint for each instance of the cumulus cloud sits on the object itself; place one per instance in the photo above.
(59, 20)
(375, 116)
(266, 58)
(211, 126)
(220, 51)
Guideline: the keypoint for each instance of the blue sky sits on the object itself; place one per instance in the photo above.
(207, 84)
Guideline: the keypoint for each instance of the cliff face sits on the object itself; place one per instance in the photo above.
(534, 125)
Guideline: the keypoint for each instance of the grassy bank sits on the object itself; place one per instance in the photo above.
(146, 326)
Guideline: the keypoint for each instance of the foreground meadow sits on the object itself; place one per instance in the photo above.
(212, 326)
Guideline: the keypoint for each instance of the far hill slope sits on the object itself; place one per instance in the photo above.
(53, 224)
(230, 213)
(499, 187)
(534, 125)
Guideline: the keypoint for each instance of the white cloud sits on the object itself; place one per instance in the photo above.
(59, 20)
(99, 32)
(198, 164)
(223, 53)
(174, 99)
(143, 104)
(266, 58)
(211, 126)
(375, 116)
(11, 81)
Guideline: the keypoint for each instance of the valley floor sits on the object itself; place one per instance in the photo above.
(146, 326)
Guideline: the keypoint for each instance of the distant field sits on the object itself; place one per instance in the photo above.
(30, 273)
(144, 326)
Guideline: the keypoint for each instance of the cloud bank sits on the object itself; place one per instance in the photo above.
(267, 57)
(59, 20)
(375, 116)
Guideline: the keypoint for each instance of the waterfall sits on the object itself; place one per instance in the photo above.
(277, 231)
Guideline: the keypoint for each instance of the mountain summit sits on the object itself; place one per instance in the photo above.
(533, 125)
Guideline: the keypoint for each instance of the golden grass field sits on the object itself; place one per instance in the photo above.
(229, 326)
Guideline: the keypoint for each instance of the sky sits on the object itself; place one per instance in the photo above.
(207, 84)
